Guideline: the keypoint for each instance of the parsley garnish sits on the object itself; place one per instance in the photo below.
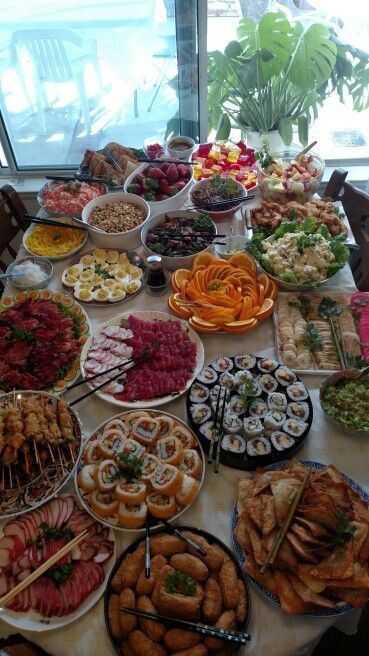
(102, 273)
(247, 391)
(263, 155)
(312, 338)
(344, 532)
(180, 583)
(329, 308)
(21, 333)
(53, 532)
(59, 573)
(131, 466)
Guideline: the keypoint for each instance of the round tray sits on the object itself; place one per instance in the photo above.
(52, 183)
(208, 536)
(148, 316)
(42, 487)
(69, 290)
(52, 258)
(243, 460)
(343, 607)
(153, 523)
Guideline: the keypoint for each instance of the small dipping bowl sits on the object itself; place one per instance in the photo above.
(333, 379)
(181, 147)
(42, 262)
(233, 244)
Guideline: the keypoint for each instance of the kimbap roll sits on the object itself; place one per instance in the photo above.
(297, 391)
(232, 423)
(258, 446)
(268, 383)
(285, 376)
(199, 393)
(131, 493)
(252, 426)
(258, 408)
(167, 480)
(207, 376)
(132, 516)
(294, 427)
(281, 441)
(117, 425)
(214, 393)
(266, 365)
(277, 401)
(250, 388)
(87, 478)
(227, 380)
(185, 435)
(104, 504)
(133, 448)
(191, 463)
(242, 376)
(92, 453)
(200, 412)
(236, 405)
(273, 420)
(234, 443)
(145, 430)
(245, 361)
(299, 409)
(208, 430)
(150, 465)
(222, 364)
(160, 505)
(166, 425)
(106, 473)
(111, 443)
(188, 491)
(170, 450)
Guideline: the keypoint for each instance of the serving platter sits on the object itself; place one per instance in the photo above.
(54, 183)
(53, 258)
(213, 540)
(85, 497)
(32, 620)
(150, 316)
(343, 608)
(22, 492)
(69, 307)
(242, 459)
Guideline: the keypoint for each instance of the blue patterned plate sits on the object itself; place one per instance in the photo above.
(343, 608)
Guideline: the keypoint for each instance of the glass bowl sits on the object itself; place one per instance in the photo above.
(20, 283)
(282, 186)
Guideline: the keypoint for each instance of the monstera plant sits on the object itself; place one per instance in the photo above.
(277, 75)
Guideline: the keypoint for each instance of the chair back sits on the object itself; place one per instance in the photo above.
(12, 222)
(46, 49)
(356, 206)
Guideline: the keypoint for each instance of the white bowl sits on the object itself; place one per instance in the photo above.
(172, 263)
(160, 206)
(181, 154)
(124, 240)
(235, 244)
(219, 215)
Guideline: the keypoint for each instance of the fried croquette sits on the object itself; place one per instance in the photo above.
(190, 565)
(212, 601)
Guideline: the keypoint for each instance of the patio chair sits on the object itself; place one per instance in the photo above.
(12, 224)
(50, 54)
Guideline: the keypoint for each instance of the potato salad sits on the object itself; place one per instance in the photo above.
(306, 256)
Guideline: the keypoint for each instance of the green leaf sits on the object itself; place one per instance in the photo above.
(359, 89)
(223, 127)
(303, 129)
(273, 33)
(313, 59)
(233, 49)
(285, 130)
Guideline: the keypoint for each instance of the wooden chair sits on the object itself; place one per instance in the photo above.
(12, 222)
(356, 206)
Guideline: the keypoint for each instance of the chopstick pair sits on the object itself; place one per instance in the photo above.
(106, 382)
(9, 596)
(164, 161)
(174, 531)
(75, 178)
(218, 419)
(59, 224)
(203, 629)
(217, 203)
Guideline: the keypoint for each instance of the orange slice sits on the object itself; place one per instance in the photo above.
(266, 309)
(246, 308)
(205, 258)
(274, 290)
(239, 327)
(178, 277)
(178, 310)
(202, 326)
(261, 294)
(243, 260)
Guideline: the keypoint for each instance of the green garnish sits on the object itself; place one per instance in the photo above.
(247, 390)
(130, 466)
(303, 304)
(263, 155)
(344, 532)
(226, 187)
(329, 308)
(158, 248)
(305, 242)
(21, 333)
(348, 403)
(56, 236)
(102, 273)
(59, 573)
(203, 222)
(312, 338)
(180, 583)
(53, 532)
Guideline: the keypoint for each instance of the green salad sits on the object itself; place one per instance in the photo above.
(300, 253)
(348, 402)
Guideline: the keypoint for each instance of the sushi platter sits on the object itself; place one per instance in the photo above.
(268, 411)
(138, 465)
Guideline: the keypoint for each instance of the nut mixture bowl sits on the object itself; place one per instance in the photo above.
(126, 239)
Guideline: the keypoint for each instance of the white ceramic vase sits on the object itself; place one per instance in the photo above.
(254, 140)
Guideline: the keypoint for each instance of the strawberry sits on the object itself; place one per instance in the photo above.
(163, 185)
(181, 184)
(182, 170)
(172, 173)
(134, 189)
(156, 173)
(165, 166)
(166, 189)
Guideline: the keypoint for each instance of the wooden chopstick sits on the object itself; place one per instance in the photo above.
(102, 373)
(76, 178)
(95, 389)
(221, 433)
(216, 417)
(203, 629)
(283, 530)
(43, 568)
(165, 160)
(190, 542)
(59, 224)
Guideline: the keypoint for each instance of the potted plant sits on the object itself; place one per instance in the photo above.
(278, 73)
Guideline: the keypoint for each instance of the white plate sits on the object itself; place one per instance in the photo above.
(33, 621)
(52, 258)
(147, 316)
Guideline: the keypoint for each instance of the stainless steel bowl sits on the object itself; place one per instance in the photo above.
(333, 379)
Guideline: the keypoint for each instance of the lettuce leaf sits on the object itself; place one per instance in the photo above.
(309, 225)
(288, 277)
(284, 228)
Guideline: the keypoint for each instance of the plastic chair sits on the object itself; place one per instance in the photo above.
(49, 52)
(12, 223)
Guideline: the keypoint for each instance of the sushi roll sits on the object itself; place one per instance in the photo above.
(268, 383)
(252, 426)
(222, 364)
(236, 405)
(232, 424)
(170, 450)
(299, 409)
(106, 474)
(160, 505)
(133, 449)
(234, 443)
(277, 401)
(281, 441)
(104, 504)
(199, 393)
(294, 427)
(245, 361)
(111, 443)
(266, 366)
(92, 453)
(285, 376)
(150, 466)
(191, 463)
(166, 425)
(207, 376)
(297, 391)
(227, 380)
(86, 478)
(274, 420)
(214, 393)
(258, 446)
(208, 430)
(117, 425)
(131, 493)
(167, 480)
(250, 388)
(242, 376)
(130, 417)
(188, 491)
(200, 412)
(258, 408)
(132, 516)
(185, 435)
(145, 430)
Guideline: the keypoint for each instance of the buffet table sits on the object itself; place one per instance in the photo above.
(272, 631)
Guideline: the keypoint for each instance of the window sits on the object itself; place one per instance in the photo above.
(80, 73)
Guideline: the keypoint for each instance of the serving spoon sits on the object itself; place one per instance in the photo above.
(306, 149)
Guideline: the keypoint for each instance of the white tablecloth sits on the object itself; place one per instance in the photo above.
(272, 631)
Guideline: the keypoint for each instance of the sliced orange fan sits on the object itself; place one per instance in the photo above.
(222, 296)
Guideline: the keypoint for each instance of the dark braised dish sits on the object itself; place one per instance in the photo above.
(177, 236)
